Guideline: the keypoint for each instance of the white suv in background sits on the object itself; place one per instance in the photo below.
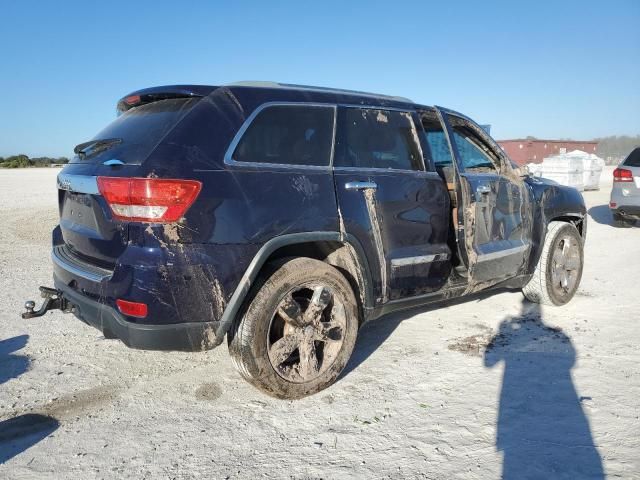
(625, 194)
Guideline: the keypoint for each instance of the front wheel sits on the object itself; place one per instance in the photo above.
(559, 269)
(299, 330)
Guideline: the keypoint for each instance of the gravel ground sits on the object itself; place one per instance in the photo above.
(482, 388)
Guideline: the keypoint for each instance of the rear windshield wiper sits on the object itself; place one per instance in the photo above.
(95, 146)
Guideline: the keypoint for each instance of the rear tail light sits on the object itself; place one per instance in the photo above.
(154, 200)
(133, 309)
(622, 175)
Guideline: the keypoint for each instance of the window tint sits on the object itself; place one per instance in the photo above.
(633, 160)
(379, 139)
(288, 134)
(470, 154)
(138, 131)
(439, 151)
(474, 152)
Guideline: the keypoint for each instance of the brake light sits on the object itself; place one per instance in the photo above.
(154, 200)
(622, 175)
(133, 309)
(132, 100)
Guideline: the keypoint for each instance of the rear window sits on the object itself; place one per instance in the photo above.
(288, 135)
(132, 136)
(633, 160)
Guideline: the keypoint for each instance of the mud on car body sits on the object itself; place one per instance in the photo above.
(283, 217)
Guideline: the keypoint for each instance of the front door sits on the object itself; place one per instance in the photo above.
(388, 201)
(494, 221)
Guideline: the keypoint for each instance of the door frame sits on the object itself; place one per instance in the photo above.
(464, 196)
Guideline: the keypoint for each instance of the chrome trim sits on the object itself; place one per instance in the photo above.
(483, 257)
(428, 173)
(406, 261)
(373, 106)
(78, 183)
(360, 185)
(75, 270)
(228, 156)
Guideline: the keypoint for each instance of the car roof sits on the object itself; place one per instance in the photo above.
(254, 93)
(276, 91)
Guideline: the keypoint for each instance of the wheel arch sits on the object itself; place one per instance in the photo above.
(343, 252)
(578, 220)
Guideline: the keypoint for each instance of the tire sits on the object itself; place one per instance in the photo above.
(273, 345)
(549, 285)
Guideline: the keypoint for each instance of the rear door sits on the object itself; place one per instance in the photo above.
(494, 220)
(88, 229)
(388, 201)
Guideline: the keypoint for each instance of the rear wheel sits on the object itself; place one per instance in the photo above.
(559, 270)
(299, 330)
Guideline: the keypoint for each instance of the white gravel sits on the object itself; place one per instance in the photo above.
(422, 397)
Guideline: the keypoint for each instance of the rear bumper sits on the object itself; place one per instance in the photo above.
(187, 337)
(628, 211)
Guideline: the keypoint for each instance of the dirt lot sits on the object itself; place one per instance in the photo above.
(466, 391)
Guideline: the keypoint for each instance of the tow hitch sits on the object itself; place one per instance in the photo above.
(53, 300)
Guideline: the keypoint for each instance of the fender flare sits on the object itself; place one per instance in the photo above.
(244, 286)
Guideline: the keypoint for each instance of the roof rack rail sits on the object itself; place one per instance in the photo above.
(267, 84)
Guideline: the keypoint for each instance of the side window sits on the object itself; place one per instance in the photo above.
(475, 154)
(290, 135)
(379, 139)
(439, 151)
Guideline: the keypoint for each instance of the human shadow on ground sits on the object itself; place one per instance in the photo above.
(19, 433)
(542, 429)
(602, 214)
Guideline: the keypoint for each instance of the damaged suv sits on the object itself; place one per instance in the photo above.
(283, 217)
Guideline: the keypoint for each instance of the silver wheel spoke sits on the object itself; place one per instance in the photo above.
(329, 332)
(283, 348)
(558, 258)
(290, 311)
(573, 263)
(308, 359)
(319, 301)
(566, 248)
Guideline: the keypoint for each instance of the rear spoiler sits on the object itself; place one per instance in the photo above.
(149, 95)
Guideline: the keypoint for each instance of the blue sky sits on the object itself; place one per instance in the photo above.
(547, 68)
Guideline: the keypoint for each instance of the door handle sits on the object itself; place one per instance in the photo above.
(483, 189)
(360, 185)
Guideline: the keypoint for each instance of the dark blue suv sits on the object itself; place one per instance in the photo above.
(285, 216)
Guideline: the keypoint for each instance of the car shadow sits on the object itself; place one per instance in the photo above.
(602, 214)
(374, 333)
(19, 433)
(542, 429)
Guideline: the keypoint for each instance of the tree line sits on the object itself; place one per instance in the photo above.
(22, 161)
(616, 148)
